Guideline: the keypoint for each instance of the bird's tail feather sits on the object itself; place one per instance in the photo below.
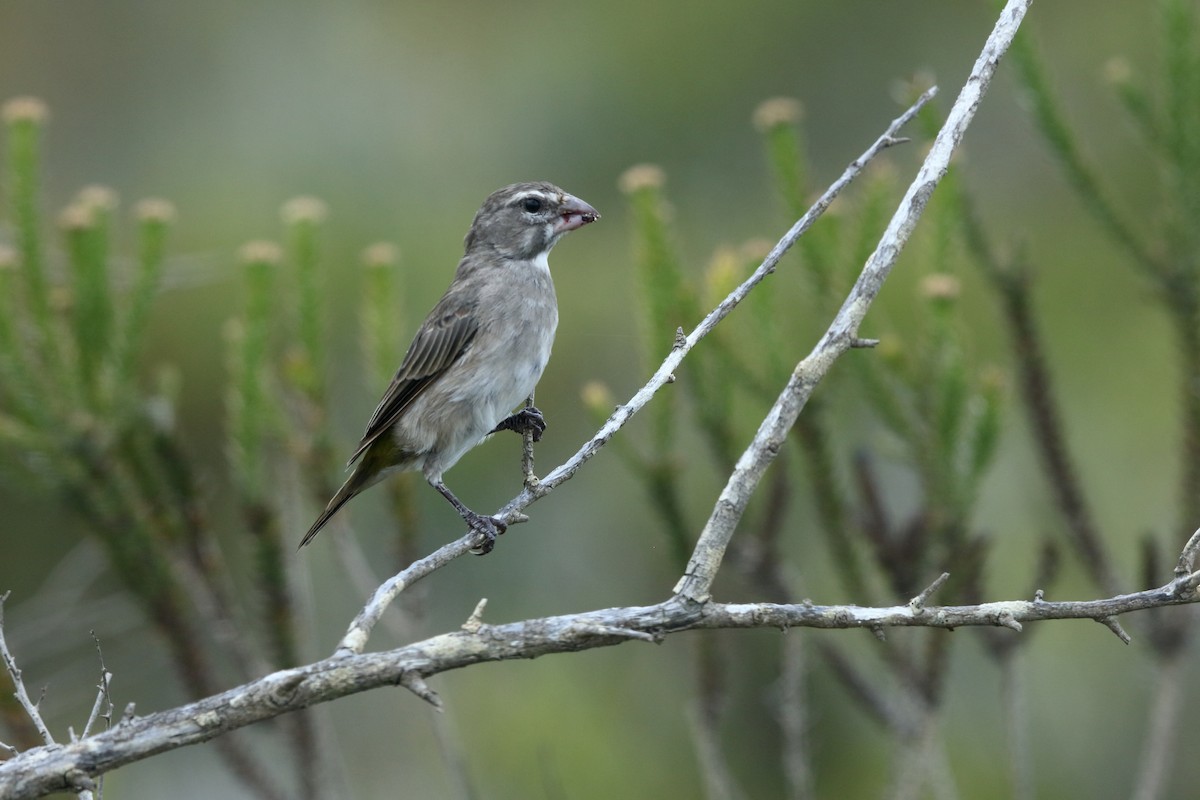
(350, 488)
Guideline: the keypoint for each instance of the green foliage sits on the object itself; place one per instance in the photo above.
(1167, 253)
(1047, 113)
(668, 304)
(250, 410)
(17, 379)
(669, 300)
(90, 435)
(85, 225)
(25, 117)
(302, 217)
(382, 324)
(778, 122)
(154, 220)
(382, 337)
(944, 414)
(72, 402)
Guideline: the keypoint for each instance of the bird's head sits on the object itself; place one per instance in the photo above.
(525, 220)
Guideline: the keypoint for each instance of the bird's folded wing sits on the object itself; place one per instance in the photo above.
(441, 341)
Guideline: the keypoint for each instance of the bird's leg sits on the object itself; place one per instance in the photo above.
(487, 527)
(527, 420)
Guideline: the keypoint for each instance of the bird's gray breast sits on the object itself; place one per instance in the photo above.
(518, 334)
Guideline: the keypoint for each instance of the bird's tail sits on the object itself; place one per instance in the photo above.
(350, 488)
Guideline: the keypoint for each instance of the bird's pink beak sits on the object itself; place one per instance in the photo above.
(574, 213)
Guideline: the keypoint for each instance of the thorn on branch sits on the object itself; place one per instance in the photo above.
(128, 715)
(680, 339)
(475, 621)
(880, 634)
(917, 604)
(892, 141)
(858, 343)
(1039, 596)
(612, 630)
(1114, 626)
(80, 781)
(285, 689)
(1187, 585)
(415, 683)
(1187, 559)
(1007, 620)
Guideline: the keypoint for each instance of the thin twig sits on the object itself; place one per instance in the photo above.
(10, 664)
(1049, 437)
(761, 562)
(1016, 724)
(716, 778)
(706, 559)
(415, 683)
(360, 628)
(75, 780)
(531, 480)
(103, 707)
(868, 693)
(917, 604)
(704, 715)
(475, 622)
(921, 762)
(449, 744)
(792, 715)
(358, 568)
(1158, 746)
(1116, 628)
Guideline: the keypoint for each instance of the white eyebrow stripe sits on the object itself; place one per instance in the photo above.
(532, 193)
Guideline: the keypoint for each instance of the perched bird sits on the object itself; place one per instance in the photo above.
(477, 355)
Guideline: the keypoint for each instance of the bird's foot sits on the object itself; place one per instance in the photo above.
(527, 420)
(488, 529)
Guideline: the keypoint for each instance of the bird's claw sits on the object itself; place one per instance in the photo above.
(528, 420)
(488, 529)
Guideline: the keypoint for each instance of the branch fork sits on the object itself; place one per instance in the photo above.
(917, 604)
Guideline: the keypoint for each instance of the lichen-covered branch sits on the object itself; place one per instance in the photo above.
(57, 767)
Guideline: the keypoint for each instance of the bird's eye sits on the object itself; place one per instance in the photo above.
(532, 204)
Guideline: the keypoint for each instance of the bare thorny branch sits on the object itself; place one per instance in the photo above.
(43, 769)
(33, 711)
(350, 670)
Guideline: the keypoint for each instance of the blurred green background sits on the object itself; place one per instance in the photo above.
(403, 117)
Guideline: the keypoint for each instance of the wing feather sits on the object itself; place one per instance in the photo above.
(446, 334)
